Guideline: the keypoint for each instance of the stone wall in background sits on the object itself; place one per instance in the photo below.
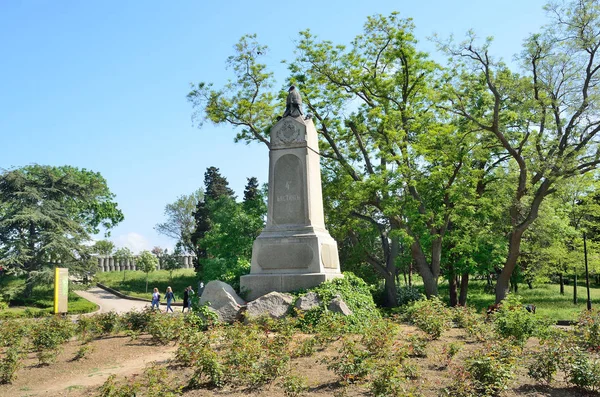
(110, 264)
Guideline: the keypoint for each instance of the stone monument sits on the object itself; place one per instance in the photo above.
(294, 250)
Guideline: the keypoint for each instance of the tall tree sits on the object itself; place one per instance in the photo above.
(47, 215)
(180, 223)
(216, 187)
(546, 120)
(381, 138)
(104, 247)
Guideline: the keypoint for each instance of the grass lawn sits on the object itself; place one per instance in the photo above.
(40, 303)
(135, 282)
(546, 297)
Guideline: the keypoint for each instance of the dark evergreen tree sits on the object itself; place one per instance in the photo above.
(216, 187)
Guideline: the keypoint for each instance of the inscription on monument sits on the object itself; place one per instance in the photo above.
(289, 207)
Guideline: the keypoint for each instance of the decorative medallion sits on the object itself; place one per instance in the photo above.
(288, 132)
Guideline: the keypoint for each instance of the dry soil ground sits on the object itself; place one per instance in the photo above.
(127, 358)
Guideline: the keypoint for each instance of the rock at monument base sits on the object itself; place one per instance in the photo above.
(337, 305)
(257, 285)
(308, 301)
(223, 300)
(274, 304)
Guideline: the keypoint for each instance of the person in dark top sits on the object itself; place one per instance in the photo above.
(170, 298)
(186, 300)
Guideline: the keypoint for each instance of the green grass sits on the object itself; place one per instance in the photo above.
(41, 301)
(547, 298)
(135, 282)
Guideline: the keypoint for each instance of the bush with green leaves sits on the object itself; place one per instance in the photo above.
(10, 364)
(293, 385)
(492, 368)
(354, 292)
(162, 328)
(431, 316)
(191, 342)
(48, 335)
(513, 321)
(136, 321)
(588, 326)
(407, 294)
(353, 363)
(584, 372)
(389, 380)
(14, 331)
(110, 388)
(467, 317)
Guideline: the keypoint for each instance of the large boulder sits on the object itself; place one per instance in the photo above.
(273, 304)
(308, 301)
(222, 299)
(337, 305)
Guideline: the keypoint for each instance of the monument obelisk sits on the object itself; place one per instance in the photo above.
(294, 250)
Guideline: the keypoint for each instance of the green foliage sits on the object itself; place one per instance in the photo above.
(466, 317)
(431, 316)
(83, 352)
(47, 214)
(10, 364)
(48, 335)
(110, 388)
(487, 373)
(104, 247)
(407, 294)
(352, 364)
(588, 326)
(179, 224)
(513, 321)
(389, 380)
(294, 386)
(354, 291)
(163, 329)
(584, 372)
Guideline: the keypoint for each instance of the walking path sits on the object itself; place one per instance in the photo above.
(109, 302)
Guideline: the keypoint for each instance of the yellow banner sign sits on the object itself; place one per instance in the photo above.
(61, 290)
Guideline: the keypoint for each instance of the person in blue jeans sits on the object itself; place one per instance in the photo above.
(170, 297)
(155, 299)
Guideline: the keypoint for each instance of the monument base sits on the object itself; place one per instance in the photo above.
(257, 285)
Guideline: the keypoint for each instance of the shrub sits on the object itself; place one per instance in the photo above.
(158, 384)
(352, 364)
(136, 321)
(388, 380)
(110, 388)
(513, 321)
(583, 372)
(191, 342)
(354, 292)
(492, 368)
(10, 364)
(416, 346)
(83, 352)
(467, 317)
(431, 316)
(164, 329)
(14, 332)
(588, 326)
(48, 335)
(294, 386)
(407, 294)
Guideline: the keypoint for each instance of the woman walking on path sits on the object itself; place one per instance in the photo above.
(170, 298)
(155, 299)
(190, 297)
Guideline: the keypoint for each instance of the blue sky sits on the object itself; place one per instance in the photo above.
(102, 84)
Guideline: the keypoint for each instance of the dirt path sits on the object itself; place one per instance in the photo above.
(109, 302)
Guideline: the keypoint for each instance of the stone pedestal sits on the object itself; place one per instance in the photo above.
(294, 251)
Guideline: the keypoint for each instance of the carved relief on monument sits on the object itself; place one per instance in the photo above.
(289, 206)
(289, 132)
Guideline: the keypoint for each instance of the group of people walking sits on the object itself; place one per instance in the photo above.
(170, 298)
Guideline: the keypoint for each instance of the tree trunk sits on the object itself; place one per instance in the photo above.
(429, 272)
(562, 284)
(410, 270)
(575, 289)
(502, 283)
(529, 285)
(452, 286)
(464, 284)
